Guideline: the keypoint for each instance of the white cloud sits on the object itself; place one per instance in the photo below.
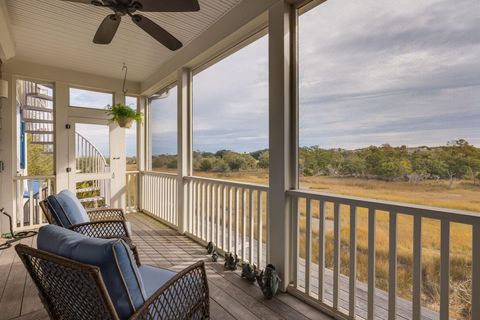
(371, 72)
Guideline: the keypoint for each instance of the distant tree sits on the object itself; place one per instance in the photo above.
(264, 159)
(258, 153)
(455, 161)
(38, 163)
(353, 165)
(172, 164)
(206, 165)
(428, 163)
(220, 165)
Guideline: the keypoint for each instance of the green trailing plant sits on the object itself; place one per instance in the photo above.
(123, 115)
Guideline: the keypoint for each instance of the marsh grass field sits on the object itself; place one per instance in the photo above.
(462, 195)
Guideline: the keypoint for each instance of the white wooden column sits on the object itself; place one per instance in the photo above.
(8, 150)
(62, 134)
(118, 165)
(141, 148)
(184, 144)
(282, 139)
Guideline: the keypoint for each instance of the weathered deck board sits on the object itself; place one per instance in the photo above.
(230, 296)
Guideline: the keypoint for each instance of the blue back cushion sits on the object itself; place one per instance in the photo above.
(67, 209)
(117, 265)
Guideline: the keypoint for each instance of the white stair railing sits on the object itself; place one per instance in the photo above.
(89, 160)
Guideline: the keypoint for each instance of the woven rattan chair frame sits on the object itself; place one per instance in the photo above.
(72, 290)
(68, 289)
(105, 223)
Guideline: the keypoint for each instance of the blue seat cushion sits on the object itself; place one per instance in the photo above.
(67, 209)
(115, 260)
(153, 278)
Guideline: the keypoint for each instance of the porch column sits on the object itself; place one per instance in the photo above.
(282, 138)
(141, 148)
(184, 147)
(8, 150)
(118, 160)
(62, 136)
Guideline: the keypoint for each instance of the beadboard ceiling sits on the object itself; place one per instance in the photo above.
(60, 33)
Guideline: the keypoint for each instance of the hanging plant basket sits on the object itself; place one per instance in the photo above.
(124, 122)
(123, 115)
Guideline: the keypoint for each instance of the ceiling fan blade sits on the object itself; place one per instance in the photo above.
(168, 5)
(107, 29)
(157, 32)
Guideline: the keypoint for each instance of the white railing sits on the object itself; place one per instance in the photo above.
(29, 191)
(159, 196)
(233, 215)
(340, 295)
(89, 162)
(88, 158)
(132, 182)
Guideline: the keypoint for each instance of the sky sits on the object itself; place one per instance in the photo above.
(397, 72)
(371, 72)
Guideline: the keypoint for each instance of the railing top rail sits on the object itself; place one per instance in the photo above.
(259, 187)
(33, 177)
(453, 215)
(132, 172)
(158, 173)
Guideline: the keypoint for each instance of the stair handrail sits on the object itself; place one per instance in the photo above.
(95, 149)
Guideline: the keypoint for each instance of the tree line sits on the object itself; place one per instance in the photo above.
(456, 160)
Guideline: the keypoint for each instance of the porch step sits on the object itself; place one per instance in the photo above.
(40, 96)
(29, 120)
(88, 189)
(35, 108)
(91, 199)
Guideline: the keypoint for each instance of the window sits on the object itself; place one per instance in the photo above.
(131, 137)
(385, 94)
(90, 99)
(230, 116)
(388, 109)
(163, 130)
(36, 130)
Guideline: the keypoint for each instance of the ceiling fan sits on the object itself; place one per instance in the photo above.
(109, 25)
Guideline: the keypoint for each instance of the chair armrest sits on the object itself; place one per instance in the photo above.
(106, 229)
(105, 214)
(185, 296)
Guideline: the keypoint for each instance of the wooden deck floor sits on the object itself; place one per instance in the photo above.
(230, 296)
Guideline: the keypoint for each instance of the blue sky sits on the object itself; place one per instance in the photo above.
(371, 72)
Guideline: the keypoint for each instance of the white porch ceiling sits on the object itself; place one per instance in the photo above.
(58, 33)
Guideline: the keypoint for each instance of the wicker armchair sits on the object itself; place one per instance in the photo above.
(104, 223)
(72, 290)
